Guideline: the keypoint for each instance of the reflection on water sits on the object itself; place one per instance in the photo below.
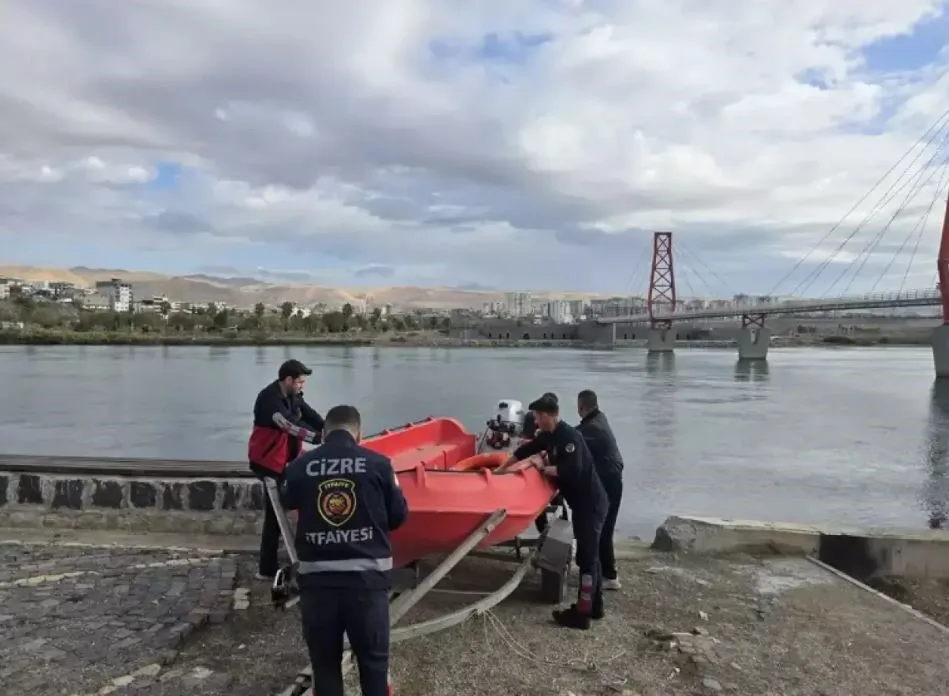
(855, 437)
(751, 371)
(936, 491)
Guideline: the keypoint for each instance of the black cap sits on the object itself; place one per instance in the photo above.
(294, 369)
(546, 404)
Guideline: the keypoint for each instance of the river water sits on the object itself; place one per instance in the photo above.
(850, 436)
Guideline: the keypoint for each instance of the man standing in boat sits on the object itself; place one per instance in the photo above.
(601, 442)
(347, 500)
(571, 464)
(282, 422)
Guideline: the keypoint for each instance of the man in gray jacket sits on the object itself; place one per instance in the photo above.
(601, 442)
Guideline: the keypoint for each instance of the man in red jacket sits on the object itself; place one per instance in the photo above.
(283, 421)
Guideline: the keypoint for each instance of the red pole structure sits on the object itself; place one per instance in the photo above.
(942, 265)
(662, 282)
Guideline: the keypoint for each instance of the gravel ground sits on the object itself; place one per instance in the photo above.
(682, 626)
(928, 596)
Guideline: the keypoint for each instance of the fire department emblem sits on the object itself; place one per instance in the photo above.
(336, 501)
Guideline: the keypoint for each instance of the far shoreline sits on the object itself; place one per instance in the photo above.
(408, 339)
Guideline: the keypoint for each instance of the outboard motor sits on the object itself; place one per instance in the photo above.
(508, 422)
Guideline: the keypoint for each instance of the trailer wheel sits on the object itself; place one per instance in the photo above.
(553, 586)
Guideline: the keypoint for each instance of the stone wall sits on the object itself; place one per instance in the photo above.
(509, 330)
(199, 505)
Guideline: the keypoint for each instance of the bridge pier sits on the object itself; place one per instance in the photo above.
(661, 340)
(940, 342)
(753, 343)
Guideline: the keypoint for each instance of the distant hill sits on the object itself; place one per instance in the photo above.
(245, 292)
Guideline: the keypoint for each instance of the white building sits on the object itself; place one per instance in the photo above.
(559, 312)
(518, 304)
(119, 293)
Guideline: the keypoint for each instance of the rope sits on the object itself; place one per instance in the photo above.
(580, 664)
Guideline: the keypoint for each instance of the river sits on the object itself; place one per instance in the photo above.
(849, 436)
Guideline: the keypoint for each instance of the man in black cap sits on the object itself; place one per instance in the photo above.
(282, 422)
(530, 432)
(571, 464)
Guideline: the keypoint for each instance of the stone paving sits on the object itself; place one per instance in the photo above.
(86, 620)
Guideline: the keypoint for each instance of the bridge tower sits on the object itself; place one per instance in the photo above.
(662, 295)
(941, 333)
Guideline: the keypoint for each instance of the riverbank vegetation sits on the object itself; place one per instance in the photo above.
(27, 321)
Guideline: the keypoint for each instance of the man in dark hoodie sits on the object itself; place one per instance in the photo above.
(601, 442)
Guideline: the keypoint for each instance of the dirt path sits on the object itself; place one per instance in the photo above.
(681, 626)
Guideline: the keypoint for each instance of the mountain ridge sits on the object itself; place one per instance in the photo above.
(244, 291)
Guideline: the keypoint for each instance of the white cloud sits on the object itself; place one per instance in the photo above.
(395, 133)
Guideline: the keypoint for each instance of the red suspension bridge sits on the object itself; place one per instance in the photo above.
(663, 306)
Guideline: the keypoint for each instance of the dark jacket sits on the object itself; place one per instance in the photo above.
(348, 501)
(281, 424)
(576, 472)
(529, 428)
(599, 437)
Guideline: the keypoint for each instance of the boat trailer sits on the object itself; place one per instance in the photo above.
(551, 552)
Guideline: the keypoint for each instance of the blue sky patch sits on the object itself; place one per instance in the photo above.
(493, 47)
(910, 51)
(167, 175)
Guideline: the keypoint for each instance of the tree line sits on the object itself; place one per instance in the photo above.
(210, 319)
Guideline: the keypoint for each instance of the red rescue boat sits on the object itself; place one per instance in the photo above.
(451, 488)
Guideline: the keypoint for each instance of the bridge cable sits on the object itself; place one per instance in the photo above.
(888, 196)
(685, 255)
(943, 182)
(688, 250)
(916, 230)
(918, 185)
(932, 168)
(892, 191)
(684, 278)
(640, 270)
(856, 205)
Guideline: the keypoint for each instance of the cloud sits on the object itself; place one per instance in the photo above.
(374, 271)
(534, 144)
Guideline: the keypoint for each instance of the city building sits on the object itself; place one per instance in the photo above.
(518, 304)
(121, 297)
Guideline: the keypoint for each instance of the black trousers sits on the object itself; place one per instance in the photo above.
(614, 493)
(586, 530)
(541, 522)
(269, 537)
(363, 615)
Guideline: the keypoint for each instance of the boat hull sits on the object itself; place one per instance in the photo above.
(446, 506)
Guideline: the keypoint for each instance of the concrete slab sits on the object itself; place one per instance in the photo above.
(716, 535)
(863, 553)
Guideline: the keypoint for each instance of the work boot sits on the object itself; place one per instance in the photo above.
(597, 613)
(571, 618)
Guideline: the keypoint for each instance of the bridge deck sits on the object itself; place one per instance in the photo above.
(912, 298)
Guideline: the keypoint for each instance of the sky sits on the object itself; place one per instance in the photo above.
(518, 145)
